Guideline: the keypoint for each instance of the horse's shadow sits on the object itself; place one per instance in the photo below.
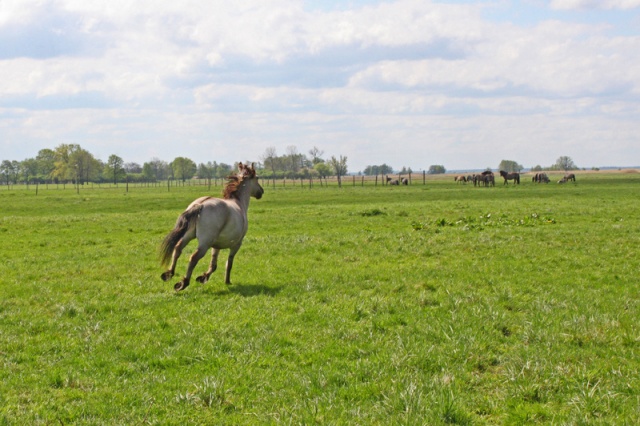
(252, 290)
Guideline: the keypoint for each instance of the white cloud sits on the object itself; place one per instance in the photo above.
(139, 76)
(594, 4)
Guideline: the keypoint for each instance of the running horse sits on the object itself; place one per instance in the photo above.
(510, 176)
(217, 223)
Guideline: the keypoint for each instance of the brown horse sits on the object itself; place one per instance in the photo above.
(514, 176)
(460, 179)
(540, 178)
(567, 178)
(217, 223)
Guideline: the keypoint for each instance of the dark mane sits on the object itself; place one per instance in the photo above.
(234, 182)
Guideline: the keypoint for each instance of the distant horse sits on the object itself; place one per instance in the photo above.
(480, 179)
(540, 178)
(217, 223)
(567, 178)
(485, 178)
(515, 177)
(405, 181)
(393, 182)
(460, 179)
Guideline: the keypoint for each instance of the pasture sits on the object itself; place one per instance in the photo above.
(420, 304)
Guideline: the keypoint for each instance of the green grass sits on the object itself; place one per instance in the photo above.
(436, 304)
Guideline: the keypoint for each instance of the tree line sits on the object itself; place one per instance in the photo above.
(72, 163)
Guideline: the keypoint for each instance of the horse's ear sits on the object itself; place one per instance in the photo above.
(240, 166)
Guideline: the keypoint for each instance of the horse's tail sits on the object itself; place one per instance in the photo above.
(518, 178)
(185, 221)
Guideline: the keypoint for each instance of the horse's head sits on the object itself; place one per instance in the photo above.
(250, 179)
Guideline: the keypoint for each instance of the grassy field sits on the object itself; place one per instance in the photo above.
(427, 304)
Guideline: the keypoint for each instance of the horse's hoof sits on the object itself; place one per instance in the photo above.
(180, 286)
(166, 276)
(202, 279)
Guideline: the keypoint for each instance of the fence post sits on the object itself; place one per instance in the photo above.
(424, 177)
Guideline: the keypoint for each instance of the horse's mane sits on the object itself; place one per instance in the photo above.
(234, 181)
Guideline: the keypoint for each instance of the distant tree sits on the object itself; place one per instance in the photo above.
(316, 155)
(510, 166)
(436, 170)
(537, 168)
(339, 166)
(84, 165)
(205, 171)
(406, 170)
(29, 169)
(155, 170)
(8, 170)
(323, 169)
(132, 168)
(382, 169)
(564, 163)
(46, 159)
(115, 168)
(294, 159)
(63, 169)
(223, 170)
(269, 159)
(183, 168)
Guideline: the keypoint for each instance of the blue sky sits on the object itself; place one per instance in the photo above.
(410, 83)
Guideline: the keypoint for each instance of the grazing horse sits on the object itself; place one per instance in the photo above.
(405, 181)
(566, 178)
(217, 223)
(510, 176)
(460, 179)
(540, 178)
(393, 182)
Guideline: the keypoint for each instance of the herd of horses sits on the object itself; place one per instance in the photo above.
(487, 178)
(403, 181)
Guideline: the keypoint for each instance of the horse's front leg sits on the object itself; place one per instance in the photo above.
(193, 261)
(227, 274)
(212, 267)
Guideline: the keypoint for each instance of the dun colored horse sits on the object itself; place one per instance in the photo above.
(460, 179)
(217, 223)
(514, 176)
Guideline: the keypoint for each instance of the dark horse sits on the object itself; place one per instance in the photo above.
(510, 176)
(217, 223)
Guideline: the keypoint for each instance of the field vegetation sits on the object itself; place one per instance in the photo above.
(420, 304)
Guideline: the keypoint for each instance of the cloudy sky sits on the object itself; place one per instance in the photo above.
(461, 83)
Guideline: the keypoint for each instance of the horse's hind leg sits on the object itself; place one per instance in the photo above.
(177, 251)
(212, 267)
(193, 261)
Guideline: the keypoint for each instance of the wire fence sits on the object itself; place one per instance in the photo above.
(169, 185)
